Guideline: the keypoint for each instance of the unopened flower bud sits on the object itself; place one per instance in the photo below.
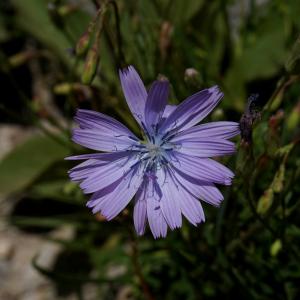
(275, 120)
(83, 44)
(218, 114)
(265, 201)
(165, 35)
(66, 9)
(275, 247)
(279, 179)
(192, 77)
(63, 88)
(20, 58)
(293, 120)
(91, 64)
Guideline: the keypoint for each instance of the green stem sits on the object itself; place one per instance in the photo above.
(137, 267)
(121, 57)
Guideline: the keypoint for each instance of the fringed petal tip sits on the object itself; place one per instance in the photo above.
(216, 90)
(127, 70)
(228, 181)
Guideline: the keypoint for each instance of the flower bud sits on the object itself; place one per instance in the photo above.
(66, 9)
(294, 118)
(165, 36)
(278, 179)
(265, 201)
(20, 58)
(275, 247)
(63, 88)
(192, 77)
(91, 65)
(83, 44)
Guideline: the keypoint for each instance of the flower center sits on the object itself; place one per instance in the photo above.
(153, 150)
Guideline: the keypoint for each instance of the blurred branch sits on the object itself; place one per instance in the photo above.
(121, 60)
(283, 83)
(137, 266)
(27, 103)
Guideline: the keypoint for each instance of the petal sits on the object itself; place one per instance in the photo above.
(156, 103)
(134, 92)
(100, 156)
(157, 222)
(103, 141)
(204, 169)
(88, 119)
(98, 197)
(85, 169)
(191, 208)
(94, 163)
(140, 211)
(199, 189)
(215, 130)
(192, 110)
(106, 174)
(205, 147)
(152, 195)
(168, 110)
(103, 133)
(170, 201)
(111, 204)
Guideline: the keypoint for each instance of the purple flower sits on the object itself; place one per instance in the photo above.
(167, 171)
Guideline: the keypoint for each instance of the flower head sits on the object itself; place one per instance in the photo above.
(168, 171)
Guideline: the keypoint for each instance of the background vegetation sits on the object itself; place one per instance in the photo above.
(249, 247)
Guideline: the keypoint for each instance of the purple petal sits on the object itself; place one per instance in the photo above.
(88, 119)
(191, 208)
(199, 189)
(85, 169)
(215, 130)
(103, 140)
(157, 222)
(103, 133)
(205, 147)
(168, 110)
(94, 163)
(152, 195)
(134, 92)
(113, 203)
(171, 199)
(106, 174)
(204, 169)
(155, 104)
(99, 196)
(140, 210)
(100, 156)
(192, 110)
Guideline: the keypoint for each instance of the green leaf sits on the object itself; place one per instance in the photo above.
(293, 62)
(264, 57)
(184, 11)
(27, 162)
(265, 201)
